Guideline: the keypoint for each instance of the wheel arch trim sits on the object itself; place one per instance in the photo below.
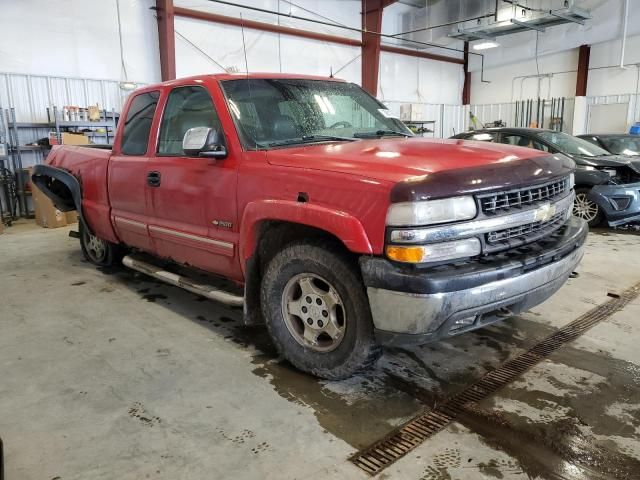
(340, 224)
(39, 178)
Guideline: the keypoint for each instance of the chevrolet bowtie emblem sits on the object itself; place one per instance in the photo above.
(544, 212)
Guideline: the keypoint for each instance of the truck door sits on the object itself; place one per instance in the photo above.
(127, 178)
(193, 199)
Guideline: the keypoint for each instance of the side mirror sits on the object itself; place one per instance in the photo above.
(204, 142)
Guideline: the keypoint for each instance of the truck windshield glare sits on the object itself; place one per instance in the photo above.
(272, 113)
(572, 145)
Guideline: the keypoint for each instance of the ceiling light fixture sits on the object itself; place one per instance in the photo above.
(128, 86)
(485, 45)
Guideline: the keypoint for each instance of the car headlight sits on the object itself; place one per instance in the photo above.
(430, 212)
(572, 181)
(434, 252)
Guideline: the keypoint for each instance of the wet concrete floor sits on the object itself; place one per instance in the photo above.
(110, 374)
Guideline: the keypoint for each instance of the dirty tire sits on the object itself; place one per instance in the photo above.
(357, 350)
(97, 251)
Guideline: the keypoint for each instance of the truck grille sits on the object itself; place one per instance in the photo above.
(500, 202)
(528, 232)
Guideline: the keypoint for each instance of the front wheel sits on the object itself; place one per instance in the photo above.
(587, 209)
(317, 311)
(96, 250)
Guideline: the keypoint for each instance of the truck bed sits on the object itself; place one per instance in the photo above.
(90, 164)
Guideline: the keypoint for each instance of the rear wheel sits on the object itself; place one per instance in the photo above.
(317, 311)
(587, 209)
(98, 251)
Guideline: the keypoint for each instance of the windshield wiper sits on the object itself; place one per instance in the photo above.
(380, 133)
(311, 139)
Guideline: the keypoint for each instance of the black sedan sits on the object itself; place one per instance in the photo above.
(616, 143)
(607, 185)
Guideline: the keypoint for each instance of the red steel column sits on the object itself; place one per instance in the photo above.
(583, 70)
(371, 22)
(466, 86)
(166, 39)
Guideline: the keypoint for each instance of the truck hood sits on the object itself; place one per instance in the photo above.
(396, 159)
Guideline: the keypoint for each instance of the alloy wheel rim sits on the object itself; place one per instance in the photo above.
(585, 208)
(313, 312)
(96, 247)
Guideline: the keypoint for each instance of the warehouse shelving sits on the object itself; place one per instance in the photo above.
(16, 145)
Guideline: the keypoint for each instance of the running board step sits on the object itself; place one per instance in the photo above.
(184, 282)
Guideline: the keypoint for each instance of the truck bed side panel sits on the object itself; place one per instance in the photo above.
(90, 166)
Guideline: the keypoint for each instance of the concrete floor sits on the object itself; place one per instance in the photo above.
(111, 375)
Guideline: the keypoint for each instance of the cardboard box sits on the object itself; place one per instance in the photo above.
(47, 215)
(72, 217)
(74, 139)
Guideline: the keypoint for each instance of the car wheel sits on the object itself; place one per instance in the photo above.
(586, 209)
(98, 251)
(317, 311)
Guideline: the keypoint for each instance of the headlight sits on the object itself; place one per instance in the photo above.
(429, 212)
(434, 252)
(572, 181)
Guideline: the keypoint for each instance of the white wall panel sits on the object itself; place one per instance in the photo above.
(614, 80)
(79, 38)
(412, 79)
(517, 81)
(632, 109)
(344, 12)
(266, 52)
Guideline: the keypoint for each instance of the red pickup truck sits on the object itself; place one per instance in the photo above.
(328, 219)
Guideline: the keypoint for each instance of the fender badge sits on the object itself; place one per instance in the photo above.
(222, 223)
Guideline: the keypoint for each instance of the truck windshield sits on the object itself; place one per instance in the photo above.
(573, 145)
(271, 113)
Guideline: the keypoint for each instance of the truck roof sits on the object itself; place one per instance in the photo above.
(238, 76)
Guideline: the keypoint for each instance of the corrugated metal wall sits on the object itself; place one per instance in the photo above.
(506, 112)
(449, 119)
(452, 119)
(30, 95)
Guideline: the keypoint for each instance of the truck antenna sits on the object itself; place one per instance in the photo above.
(244, 48)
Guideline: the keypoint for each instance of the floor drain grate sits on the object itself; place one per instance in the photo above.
(380, 455)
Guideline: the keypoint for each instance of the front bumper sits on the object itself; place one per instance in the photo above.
(413, 305)
(620, 203)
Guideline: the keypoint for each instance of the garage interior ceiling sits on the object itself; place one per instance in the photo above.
(523, 20)
(437, 21)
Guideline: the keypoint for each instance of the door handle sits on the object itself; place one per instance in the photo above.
(153, 179)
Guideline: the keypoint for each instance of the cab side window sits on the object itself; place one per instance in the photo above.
(522, 141)
(187, 107)
(137, 125)
(481, 137)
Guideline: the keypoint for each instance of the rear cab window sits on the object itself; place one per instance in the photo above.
(137, 125)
